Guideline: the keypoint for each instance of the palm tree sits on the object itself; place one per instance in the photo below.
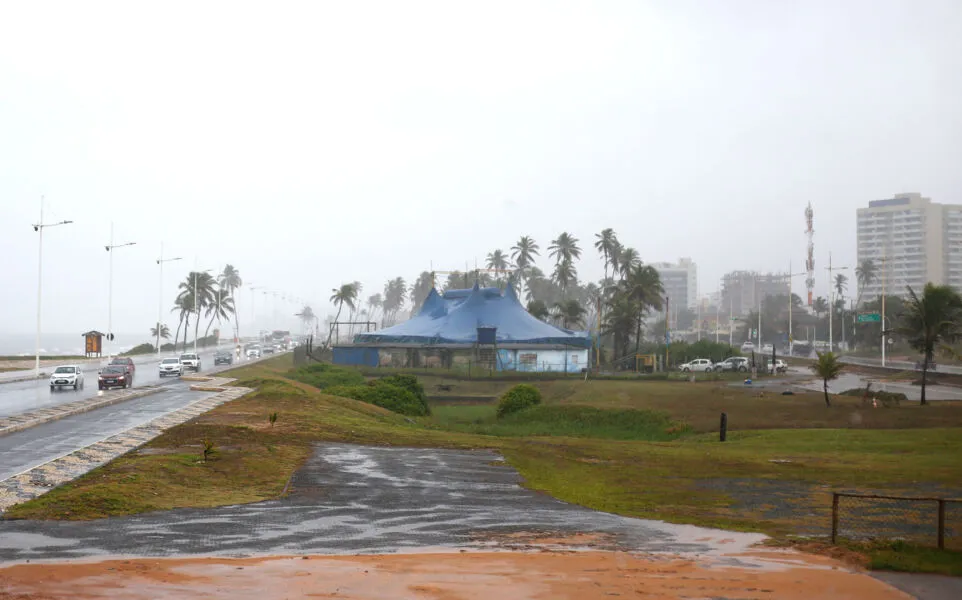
(819, 306)
(619, 321)
(827, 368)
(865, 274)
(222, 307)
(307, 317)
(183, 305)
(420, 289)
(230, 280)
(628, 259)
(564, 275)
(200, 287)
(570, 313)
(160, 331)
(538, 310)
(643, 287)
(606, 243)
(374, 302)
(395, 293)
(498, 261)
(564, 248)
(841, 284)
(346, 294)
(523, 254)
(931, 321)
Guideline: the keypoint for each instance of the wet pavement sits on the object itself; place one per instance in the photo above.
(351, 499)
(31, 447)
(848, 381)
(25, 396)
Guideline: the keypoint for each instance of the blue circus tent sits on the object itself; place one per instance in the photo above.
(453, 318)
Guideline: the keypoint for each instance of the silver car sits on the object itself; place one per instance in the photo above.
(67, 376)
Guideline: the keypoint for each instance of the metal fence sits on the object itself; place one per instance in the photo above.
(922, 521)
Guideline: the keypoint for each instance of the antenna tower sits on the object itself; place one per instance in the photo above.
(810, 257)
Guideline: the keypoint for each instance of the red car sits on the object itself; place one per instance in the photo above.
(114, 376)
(126, 363)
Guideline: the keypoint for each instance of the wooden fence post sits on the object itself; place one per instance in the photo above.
(723, 428)
(834, 516)
(941, 524)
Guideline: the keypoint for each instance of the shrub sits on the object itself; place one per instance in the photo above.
(407, 382)
(383, 394)
(141, 349)
(518, 398)
(323, 376)
(885, 398)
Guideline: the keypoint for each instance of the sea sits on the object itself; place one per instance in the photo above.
(65, 344)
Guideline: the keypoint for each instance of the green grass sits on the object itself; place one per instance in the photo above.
(563, 421)
(899, 556)
(615, 446)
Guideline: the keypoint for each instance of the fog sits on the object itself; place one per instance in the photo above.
(310, 144)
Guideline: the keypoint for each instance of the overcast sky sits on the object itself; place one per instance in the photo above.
(314, 143)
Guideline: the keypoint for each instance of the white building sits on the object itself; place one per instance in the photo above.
(912, 241)
(680, 282)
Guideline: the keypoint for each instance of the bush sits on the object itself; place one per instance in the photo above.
(518, 398)
(407, 382)
(141, 349)
(383, 394)
(323, 376)
(886, 398)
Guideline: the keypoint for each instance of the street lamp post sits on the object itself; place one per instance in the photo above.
(110, 287)
(831, 308)
(39, 227)
(160, 291)
(791, 309)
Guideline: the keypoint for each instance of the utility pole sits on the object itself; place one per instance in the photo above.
(831, 306)
(110, 289)
(160, 293)
(667, 334)
(884, 270)
(717, 311)
(39, 227)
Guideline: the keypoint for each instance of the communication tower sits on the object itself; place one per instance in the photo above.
(810, 257)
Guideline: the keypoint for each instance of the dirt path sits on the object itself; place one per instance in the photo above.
(553, 575)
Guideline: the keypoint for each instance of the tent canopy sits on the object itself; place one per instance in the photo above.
(455, 316)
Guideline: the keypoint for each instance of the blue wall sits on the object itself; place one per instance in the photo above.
(356, 356)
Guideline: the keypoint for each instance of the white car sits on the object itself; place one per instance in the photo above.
(747, 347)
(171, 366)
(253, 353)
(767, 349)
(190, 361)
(67, 375)
(698, 365)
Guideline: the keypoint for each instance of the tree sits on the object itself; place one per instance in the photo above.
(564, 275)
(930, 321)
(523, 254)
(827, 368)
(819, 306)
(643, 288)
(199, 288)
(420, 289)
(182, 305)
(160, 331)
(606, 243)
(564, 248)
(865, 274)
(570, 313)
(395, 293)
(619, 321)
(498, 261)
(307, 317)
(230, 280)
(628, 259)
(374, 302)
(344, 295)
(221, 307)
(841, 284)
(538, 310)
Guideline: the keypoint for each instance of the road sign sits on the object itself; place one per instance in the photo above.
(873, 317)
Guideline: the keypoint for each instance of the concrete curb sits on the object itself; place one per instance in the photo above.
(32, 419)
(24, 378)
(43, 478)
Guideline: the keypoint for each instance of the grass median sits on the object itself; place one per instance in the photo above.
(646, 449)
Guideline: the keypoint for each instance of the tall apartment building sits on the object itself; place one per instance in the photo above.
(742, 291)
(912, 241)
(680, 282)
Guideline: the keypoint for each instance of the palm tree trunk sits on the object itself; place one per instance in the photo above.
(925, 370)
(209, 324)
(177, 337)
(196, 327)
(336, 317)
(186, 329)
(825, 388)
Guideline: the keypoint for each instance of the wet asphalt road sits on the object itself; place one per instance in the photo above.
(25, 396)
(29, 448)
(357, 499)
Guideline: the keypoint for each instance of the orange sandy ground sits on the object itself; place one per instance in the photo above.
(549, 575)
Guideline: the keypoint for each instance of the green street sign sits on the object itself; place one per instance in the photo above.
(873, 317)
